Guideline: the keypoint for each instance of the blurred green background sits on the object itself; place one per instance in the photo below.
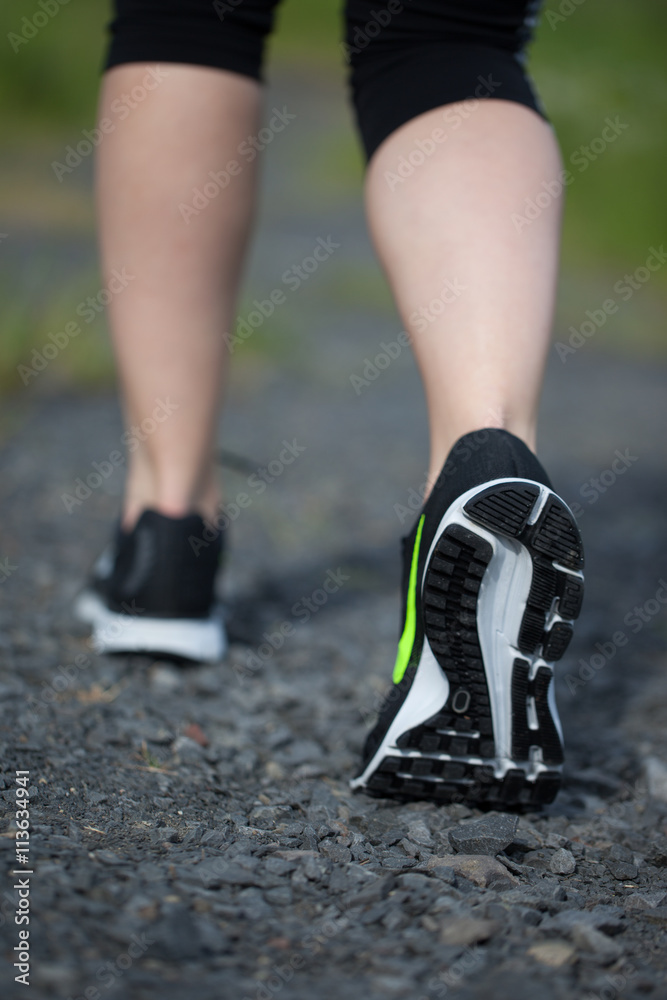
(591, 62)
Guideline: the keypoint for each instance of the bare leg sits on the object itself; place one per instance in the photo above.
(167, 324)
(482, 346)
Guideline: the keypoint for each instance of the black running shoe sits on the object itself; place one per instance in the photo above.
(153, 591)
(492, 584)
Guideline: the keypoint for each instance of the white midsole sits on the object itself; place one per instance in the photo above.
(500, 607)
(200, 639)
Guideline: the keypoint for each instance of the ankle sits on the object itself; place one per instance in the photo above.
(143, 492)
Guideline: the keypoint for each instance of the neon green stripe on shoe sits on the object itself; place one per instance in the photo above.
(406, 642)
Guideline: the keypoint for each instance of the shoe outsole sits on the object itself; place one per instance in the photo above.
(510, 538)
(197, 640)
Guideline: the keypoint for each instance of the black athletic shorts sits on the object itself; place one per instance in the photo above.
(406, 56)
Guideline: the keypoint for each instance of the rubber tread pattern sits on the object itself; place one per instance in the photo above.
(460, 781)
(554, 539)
(520, 731)
(571, 595)
(545, 737)
(505, 509)
(557, 536)
(450, 593)
(549, 739)
(557, 640)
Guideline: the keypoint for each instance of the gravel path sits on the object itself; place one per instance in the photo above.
(193, 829)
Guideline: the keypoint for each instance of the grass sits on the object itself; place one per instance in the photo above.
(607, 61)
(48, 81)
(602, 61)
(37, 350)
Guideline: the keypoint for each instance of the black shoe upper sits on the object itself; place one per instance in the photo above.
(164, 568)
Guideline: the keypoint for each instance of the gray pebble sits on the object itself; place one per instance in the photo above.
(253, 905)
(419, 833)
(445, 873)
(588, 939)
(485, 836)
(622, 871)
(335, 851)
(562, 862)
(281, 895)
(176, 936)
(644, 900)
(557, 840)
